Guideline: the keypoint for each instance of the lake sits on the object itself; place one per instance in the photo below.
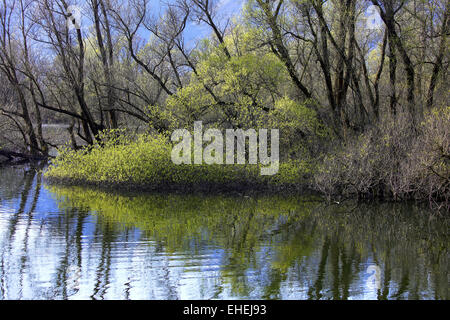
(80, 243)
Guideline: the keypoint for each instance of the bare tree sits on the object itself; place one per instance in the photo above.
(15, 65)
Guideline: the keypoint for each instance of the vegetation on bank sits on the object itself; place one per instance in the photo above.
(362, 109)
(392, 161)
(144, 162)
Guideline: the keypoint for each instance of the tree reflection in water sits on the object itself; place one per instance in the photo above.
(78, 243)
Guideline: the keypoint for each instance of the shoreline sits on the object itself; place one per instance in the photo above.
(230, 190)
(236, 188)
(206, 188)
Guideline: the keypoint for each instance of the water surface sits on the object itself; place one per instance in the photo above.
(79, 243)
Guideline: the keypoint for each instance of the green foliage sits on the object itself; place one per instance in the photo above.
(145, 161)
(302, 133)
(235, 90)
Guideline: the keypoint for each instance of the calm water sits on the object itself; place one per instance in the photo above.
(77, 243)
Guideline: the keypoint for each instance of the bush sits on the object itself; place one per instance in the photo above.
(392, 160)
(429, 159)
(303, 135)
(145, 162)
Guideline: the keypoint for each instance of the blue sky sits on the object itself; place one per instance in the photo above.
(226, 9)
(194, 32)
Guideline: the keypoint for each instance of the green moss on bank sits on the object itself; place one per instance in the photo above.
(145, 163)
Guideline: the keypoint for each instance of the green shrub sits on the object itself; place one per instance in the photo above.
(145, 161)
(303, 135)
